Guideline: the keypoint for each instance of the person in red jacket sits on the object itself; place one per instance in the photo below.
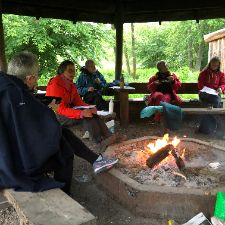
(211, 77)
(62, 86)
(163, 86)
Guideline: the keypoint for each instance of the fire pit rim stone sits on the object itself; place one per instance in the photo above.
(210, 144)
(163, 189)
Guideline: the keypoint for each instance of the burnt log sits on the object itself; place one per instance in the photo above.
(158, 156)
(179, 161)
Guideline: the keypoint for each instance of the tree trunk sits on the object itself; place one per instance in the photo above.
(126, 57)
(133, 50)
(119, 39)
(190, 55)
(3, 65)
(199, 56)
(114, 47)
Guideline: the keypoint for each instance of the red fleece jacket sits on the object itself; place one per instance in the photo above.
(60, 87)
(211, 79)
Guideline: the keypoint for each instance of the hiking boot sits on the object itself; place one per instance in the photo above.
(104, 164)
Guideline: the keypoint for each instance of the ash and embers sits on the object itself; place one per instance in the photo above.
(198, 172)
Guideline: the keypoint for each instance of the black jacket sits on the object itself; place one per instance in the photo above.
(29, 136)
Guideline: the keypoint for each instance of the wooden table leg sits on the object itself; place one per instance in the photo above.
(124, 109)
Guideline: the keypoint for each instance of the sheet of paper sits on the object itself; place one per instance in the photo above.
(41, 92)
(209, 90)
(125, 87)
(103, 113)
(84, 107)
(199, 219)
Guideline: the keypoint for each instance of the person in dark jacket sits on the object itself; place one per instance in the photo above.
(33, 143)
(91, 84)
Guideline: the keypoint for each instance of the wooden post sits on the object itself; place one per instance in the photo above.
(3, 65)
(119, 39)
(124, 109)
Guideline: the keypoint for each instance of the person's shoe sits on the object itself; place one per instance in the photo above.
(86, 135)
(103, 165)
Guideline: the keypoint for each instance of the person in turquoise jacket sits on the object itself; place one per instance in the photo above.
(90, 85)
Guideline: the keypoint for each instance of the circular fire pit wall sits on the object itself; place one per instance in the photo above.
(164, 191)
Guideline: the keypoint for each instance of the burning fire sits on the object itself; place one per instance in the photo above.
(160, 143)
(164, 151)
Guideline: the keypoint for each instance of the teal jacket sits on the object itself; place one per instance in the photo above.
(86, 80)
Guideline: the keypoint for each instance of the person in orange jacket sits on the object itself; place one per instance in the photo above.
(62, 86)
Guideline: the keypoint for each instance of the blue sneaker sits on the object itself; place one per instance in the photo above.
(104, 164)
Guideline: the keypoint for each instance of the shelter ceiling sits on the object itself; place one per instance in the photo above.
(105, 11)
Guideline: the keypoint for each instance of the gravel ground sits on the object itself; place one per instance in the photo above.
(88, 194)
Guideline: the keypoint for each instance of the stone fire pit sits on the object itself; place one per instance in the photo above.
(164, 191)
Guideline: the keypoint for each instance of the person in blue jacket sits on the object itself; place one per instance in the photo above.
(91, 84)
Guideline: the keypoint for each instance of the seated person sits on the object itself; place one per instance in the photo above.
(90, 85)
(163, 86)
(62, 86)
(33, 142)
(213, 78)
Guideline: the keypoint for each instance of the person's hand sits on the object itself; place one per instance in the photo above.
(94, 110)
(53, 105)
(87, 113)
(170, 78)
(91, 89)
(97, 80)
(219, 90)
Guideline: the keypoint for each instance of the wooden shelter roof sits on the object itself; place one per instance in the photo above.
(105, 11)
(214, 35)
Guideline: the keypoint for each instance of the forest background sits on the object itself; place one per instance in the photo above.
(181, 44)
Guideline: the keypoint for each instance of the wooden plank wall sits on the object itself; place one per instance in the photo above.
(217, 48)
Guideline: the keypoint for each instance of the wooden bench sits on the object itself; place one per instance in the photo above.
(127, 108)
(52, 207)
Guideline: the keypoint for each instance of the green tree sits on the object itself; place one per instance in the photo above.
(53, 40)
(180, 43)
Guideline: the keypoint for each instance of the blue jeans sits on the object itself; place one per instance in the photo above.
(210, 100)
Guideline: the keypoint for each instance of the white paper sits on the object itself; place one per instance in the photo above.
(125, 87)
(103, 113)
(199, 219)
(209, 90)
(214, 165)
(84, 107)
(41, 92)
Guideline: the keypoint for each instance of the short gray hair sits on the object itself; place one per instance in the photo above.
(88, 62)
(23, 64)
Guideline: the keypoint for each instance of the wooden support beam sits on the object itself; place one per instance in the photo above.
(119, 39)
(3, 65)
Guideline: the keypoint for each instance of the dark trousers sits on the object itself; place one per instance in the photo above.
(95, 126)
(62, 163)
(95, 98)
(210, 100)
(208, 123)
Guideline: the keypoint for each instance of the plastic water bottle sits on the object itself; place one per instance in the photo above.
(122, 81)
(111, 105)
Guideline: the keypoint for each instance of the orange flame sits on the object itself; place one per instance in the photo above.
(160, 143)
